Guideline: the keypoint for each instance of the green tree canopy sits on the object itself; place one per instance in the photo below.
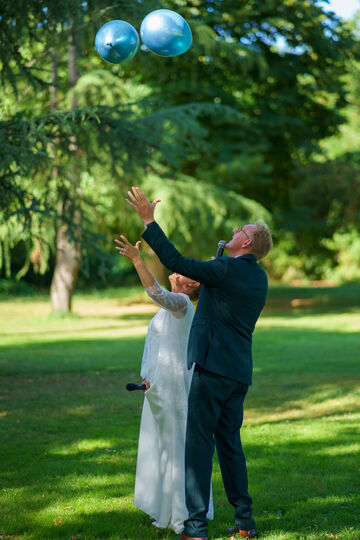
(262, 86)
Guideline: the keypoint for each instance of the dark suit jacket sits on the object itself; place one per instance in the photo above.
(231, 299)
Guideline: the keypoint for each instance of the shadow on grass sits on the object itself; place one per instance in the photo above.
(289, 365)
(69, 458)
(301, 301)
(302, 488)
(350, 291)
(296, 487)
(83, 330)
(105, 354)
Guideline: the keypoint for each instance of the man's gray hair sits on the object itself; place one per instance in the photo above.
(261, 242)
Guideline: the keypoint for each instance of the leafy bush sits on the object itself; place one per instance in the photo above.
(12, 287)
(346, 246)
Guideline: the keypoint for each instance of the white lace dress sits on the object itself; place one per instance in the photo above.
(160, 470)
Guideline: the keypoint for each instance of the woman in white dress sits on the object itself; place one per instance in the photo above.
(160, 470)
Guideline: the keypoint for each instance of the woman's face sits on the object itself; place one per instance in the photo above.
(182, 284)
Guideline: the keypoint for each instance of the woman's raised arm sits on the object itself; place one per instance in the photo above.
(174, 302)
(133, 254)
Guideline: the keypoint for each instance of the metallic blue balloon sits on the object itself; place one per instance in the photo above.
(117, 41)
(166, 33)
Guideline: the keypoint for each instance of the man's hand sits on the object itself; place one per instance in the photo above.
(127, 249)
(141, 205)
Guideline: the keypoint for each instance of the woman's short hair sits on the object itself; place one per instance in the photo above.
(261, 241)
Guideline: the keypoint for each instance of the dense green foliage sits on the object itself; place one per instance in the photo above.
(243, 112)
(323, 238)
(289, 94)
(322, 224)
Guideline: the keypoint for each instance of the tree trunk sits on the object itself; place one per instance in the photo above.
(54, 79)
(68, 259)
(68, 246)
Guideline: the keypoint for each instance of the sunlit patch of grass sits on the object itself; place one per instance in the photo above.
(84, 445)
(107, 319)
(327, 322)
(318, 405)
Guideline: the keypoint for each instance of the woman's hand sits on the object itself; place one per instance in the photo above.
(147, 384)
(143, 207)
(127, 249)
(132, 253)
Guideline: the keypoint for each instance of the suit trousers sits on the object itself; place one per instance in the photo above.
(215, 416)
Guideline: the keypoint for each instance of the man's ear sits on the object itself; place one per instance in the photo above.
(247, 243)
(194, 284)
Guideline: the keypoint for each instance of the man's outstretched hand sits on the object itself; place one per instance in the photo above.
(141, 205)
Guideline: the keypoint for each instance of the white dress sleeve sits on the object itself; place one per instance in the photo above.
(176, 303)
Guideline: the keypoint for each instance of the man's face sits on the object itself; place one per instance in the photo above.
(241, 238)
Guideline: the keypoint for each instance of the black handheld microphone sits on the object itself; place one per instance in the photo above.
(220, 249)
(135, 386)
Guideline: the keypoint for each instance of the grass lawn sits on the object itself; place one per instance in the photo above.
(69, 429)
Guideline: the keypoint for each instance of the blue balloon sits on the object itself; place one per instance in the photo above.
(117, 41)
(166, 33)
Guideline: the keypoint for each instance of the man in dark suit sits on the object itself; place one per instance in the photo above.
(231, 299)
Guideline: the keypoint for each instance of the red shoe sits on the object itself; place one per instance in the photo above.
(244, 533)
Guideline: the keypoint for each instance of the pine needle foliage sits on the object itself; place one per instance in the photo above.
(217, 212)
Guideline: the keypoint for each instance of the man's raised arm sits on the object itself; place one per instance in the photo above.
(209, 273)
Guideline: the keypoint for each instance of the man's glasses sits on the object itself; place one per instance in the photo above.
(243, 230)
